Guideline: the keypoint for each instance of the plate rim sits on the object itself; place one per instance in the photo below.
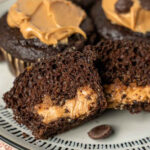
(144, 142)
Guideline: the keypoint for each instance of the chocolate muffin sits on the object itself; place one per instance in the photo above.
(122, 19)
(124, 67)
(57, 94)
(23, 42)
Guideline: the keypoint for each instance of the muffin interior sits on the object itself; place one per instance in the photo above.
(124, 68)
(65, 89)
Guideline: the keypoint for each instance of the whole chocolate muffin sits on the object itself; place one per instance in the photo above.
(115, 19)
(25, 42)
(57, 94)
(124, 67)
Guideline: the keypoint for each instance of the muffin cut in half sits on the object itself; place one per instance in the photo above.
(57, 94)
(122, 19)
(28, 33)
(125, 72)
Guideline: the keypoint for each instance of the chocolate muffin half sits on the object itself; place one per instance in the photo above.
(122, 19)
(33, 30)
(125, 72)
(56, 94)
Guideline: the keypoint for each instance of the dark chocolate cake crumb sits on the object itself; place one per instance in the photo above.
(124, 67)
(138, 107)
(58, 77)
(100, 132)
(145, 4)
(123, 6)
(128, 61)
(59, 70)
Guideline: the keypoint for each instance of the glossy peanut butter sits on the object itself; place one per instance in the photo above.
(137, 19)
(77, 107)
(51, 21)
(118, 94)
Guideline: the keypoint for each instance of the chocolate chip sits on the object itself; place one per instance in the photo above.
(123, 96)
(123, 6)
(100, 132)
(66, 111)
(88, 97)
(145, 4)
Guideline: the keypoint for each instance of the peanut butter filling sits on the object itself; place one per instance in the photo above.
(137, 19)
(118, 94)
(51, 21)
(78, 107)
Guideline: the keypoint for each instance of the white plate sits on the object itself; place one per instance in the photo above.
(131, 131)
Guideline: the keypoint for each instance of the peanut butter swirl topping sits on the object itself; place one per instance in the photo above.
(136, 18)
(51, 21)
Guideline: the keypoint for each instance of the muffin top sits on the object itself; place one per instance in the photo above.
(131, 14)
(51, 21)
(37, 29)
